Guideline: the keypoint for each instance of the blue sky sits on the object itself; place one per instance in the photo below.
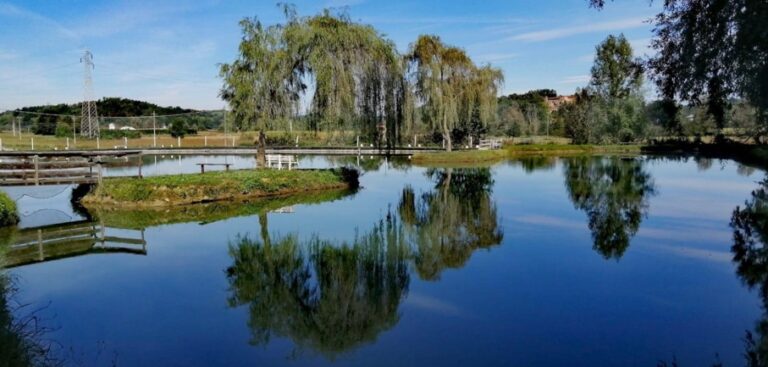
(167, 52)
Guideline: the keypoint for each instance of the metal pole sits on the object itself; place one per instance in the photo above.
(154, 130)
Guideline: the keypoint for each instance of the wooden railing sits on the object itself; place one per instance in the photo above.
(46, 243)
(488, 144)
(36, 170)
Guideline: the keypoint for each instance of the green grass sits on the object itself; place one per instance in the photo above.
(215, 186)
(518, 150)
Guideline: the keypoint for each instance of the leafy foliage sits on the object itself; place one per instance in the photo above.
(451, 87)
(8, 212)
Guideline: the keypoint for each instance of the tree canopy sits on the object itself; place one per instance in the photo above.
(711, 50)
(354, 79)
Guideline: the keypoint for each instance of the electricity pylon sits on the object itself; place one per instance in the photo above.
(89, 124)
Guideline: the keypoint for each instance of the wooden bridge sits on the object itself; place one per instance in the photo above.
(54, 168)
(59, 241)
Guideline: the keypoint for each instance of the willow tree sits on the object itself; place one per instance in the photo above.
(450, 86)
(356, 73)
(265, 82)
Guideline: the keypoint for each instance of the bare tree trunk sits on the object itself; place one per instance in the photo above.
(447, 134)
(261, 152)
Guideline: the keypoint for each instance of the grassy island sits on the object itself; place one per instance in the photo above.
(519, 150)
(216, 186)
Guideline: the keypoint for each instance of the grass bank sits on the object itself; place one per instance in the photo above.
(185, 189)
(522, 150)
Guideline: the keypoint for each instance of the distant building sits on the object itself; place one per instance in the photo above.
(553, 103)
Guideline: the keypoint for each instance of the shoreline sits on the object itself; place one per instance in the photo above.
(188, 189)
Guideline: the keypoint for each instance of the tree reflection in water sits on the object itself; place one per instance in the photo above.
(21, 341)
(332, 297)
(750, 232)
(446, 225)
(614, 193)
(322, 295)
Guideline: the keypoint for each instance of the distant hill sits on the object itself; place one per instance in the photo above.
(111, 107)
(44, 119)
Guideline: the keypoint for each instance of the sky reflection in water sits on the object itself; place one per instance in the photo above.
(583, 261)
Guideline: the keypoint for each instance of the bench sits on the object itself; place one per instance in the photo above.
(202, 166)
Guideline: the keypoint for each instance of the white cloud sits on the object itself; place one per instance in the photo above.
(551, 34)
(17, 12)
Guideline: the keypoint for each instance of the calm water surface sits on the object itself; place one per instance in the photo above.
(549, 262)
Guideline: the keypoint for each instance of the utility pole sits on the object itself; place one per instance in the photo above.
(154, 130)
(225, 127)
(89, 125)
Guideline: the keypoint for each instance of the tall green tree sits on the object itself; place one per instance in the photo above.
(450, 86)
(356, 73)
(616, 110)
(710, 50)
(616, 73)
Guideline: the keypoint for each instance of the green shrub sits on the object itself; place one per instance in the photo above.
(63, 130)
(8, 214)
(119, 134)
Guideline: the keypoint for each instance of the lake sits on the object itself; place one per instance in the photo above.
(599, 261)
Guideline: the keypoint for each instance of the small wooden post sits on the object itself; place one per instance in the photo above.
(67, 143)
(35, 159)
(125, 142)
(141, 163)
(178, 141)
(205, 139)
(32, 142)
(97, 143)
(358, 144)
(100, 173)
(40, 253)
(1, 145)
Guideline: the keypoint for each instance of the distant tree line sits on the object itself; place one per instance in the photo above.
(60, 119)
